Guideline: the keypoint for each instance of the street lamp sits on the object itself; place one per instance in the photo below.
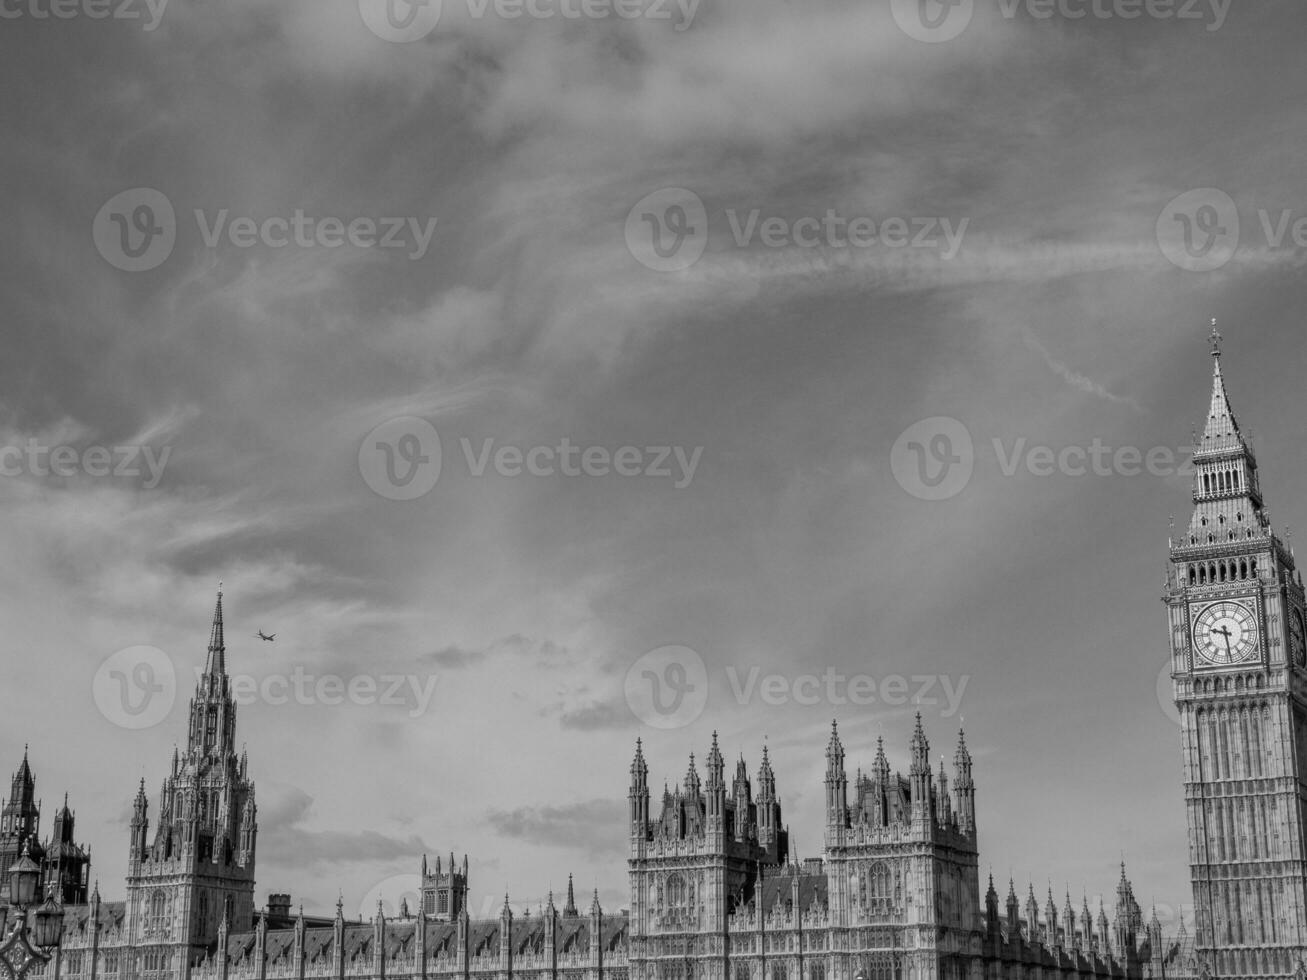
(24, 948)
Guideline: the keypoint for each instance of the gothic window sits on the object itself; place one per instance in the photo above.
(817, 971)
(156, 923)
(742, 971)
(202, 913)
(778, 971)
(678, 892)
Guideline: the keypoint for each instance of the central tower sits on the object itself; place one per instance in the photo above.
(200, 865)
(1236, 609)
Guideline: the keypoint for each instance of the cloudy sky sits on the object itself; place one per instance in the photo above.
(1022, 263)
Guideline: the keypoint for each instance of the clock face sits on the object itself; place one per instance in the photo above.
(1225, 633)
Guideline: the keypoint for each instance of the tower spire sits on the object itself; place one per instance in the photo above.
(217, 660)
(1221, 430)
(1226, 492)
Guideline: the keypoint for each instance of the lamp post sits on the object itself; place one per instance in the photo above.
(25, 948)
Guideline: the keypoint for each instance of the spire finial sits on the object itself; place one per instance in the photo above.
(1216, 339)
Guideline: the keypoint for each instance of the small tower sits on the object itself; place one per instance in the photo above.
(444, 892)
(20, 819)
(66, 866)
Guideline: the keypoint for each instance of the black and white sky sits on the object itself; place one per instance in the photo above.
(1005, 216)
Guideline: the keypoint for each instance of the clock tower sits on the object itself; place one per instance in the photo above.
(1236, 609)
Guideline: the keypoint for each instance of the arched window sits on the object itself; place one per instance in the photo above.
(156, 922)
(679, 895)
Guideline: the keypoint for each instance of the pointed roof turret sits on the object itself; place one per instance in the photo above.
(881, 766)
(833, 744)
(920, 749)
(639, 768)
(716, 767)
(766, 778)
(692, 779)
